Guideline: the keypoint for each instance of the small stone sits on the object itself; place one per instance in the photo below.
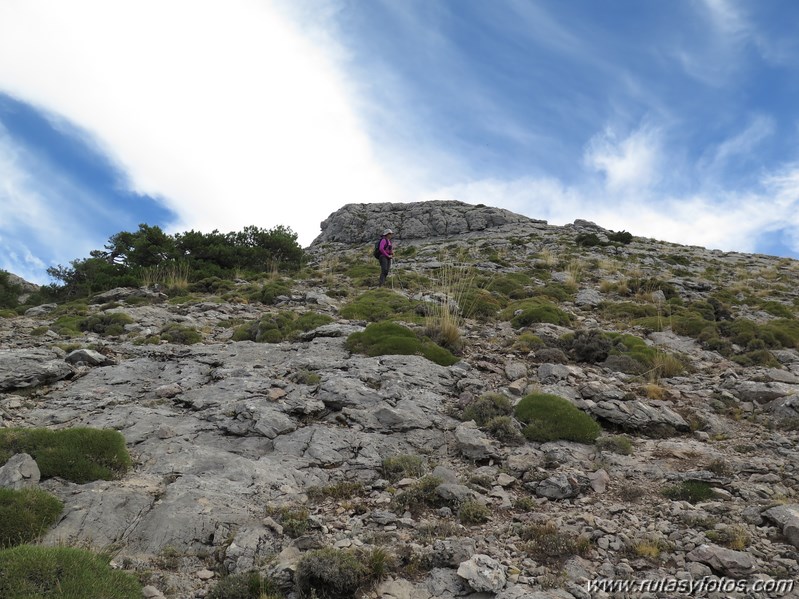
(204, 574)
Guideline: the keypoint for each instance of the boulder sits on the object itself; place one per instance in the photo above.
(21, 470)
(787, 518)
(22, 368)
(483, 573)
(727, 562)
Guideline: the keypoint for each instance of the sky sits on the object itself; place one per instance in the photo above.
(673, 120)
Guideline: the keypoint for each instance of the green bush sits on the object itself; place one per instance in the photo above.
(590, 346)
(419, 496)
(480, 305)
(274, 328)
(486, 407)
(377, 305)
(552, 418)
(9, 292)
(522, 314)
(692, 491)
(330, 574)
(28, 572)
(80, 455)
(472, 511)
(26, 514)
(389, 338)
(180, 334)
(588, 240)
(622, 237)
(269, 293)
(106, 323)
(245, 585)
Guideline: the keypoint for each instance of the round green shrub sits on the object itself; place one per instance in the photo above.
(79, 455)
(390, 338)
(692, 491)
(106, 323)
(473, 512)
(25, 514)
(590, 346)
(272, 290)
(522, 314)
(62, 572)
(180, 334)
(552, 418)
(330, 574)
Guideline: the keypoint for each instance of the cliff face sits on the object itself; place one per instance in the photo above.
(250, 455)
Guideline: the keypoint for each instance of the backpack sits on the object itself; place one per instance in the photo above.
(376, 253)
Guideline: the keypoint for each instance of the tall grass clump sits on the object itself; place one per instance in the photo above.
(62, 572)
(330, 574)
(553, 418)
(172, 274)
(79, 455)
(25, 514)
(444, 317)
(245, 585)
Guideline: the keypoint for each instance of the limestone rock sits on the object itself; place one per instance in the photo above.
(24, 368)
(21, 470)
(728, 562)
(473, 443)
(483, 573)
(787, 518)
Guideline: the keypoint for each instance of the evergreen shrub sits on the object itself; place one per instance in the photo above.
(62, 573)
(180, 334)
(106, 323)
(79, 455)
(553, 418)
(693, 491)
(525, 313)
(25, 514)
(389, 338)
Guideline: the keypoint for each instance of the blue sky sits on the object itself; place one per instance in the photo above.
(673, 120)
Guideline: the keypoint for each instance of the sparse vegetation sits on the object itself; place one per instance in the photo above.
(403, 466)
(692, 491)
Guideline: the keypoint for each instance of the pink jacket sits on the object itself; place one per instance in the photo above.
(385, 248)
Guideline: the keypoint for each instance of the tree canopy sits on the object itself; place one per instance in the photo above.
(129, 258)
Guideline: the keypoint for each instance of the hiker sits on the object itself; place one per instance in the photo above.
(385, 254)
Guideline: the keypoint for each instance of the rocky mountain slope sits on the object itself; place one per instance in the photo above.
(249, 455)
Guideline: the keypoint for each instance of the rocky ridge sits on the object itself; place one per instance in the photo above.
(230, 436)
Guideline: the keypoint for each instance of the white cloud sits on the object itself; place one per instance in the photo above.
(628, 163)
(225, 112)
(732, 221)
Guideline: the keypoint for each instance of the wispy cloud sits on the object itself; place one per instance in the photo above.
(739, 146)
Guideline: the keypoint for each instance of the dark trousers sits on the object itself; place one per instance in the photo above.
(385, 266)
